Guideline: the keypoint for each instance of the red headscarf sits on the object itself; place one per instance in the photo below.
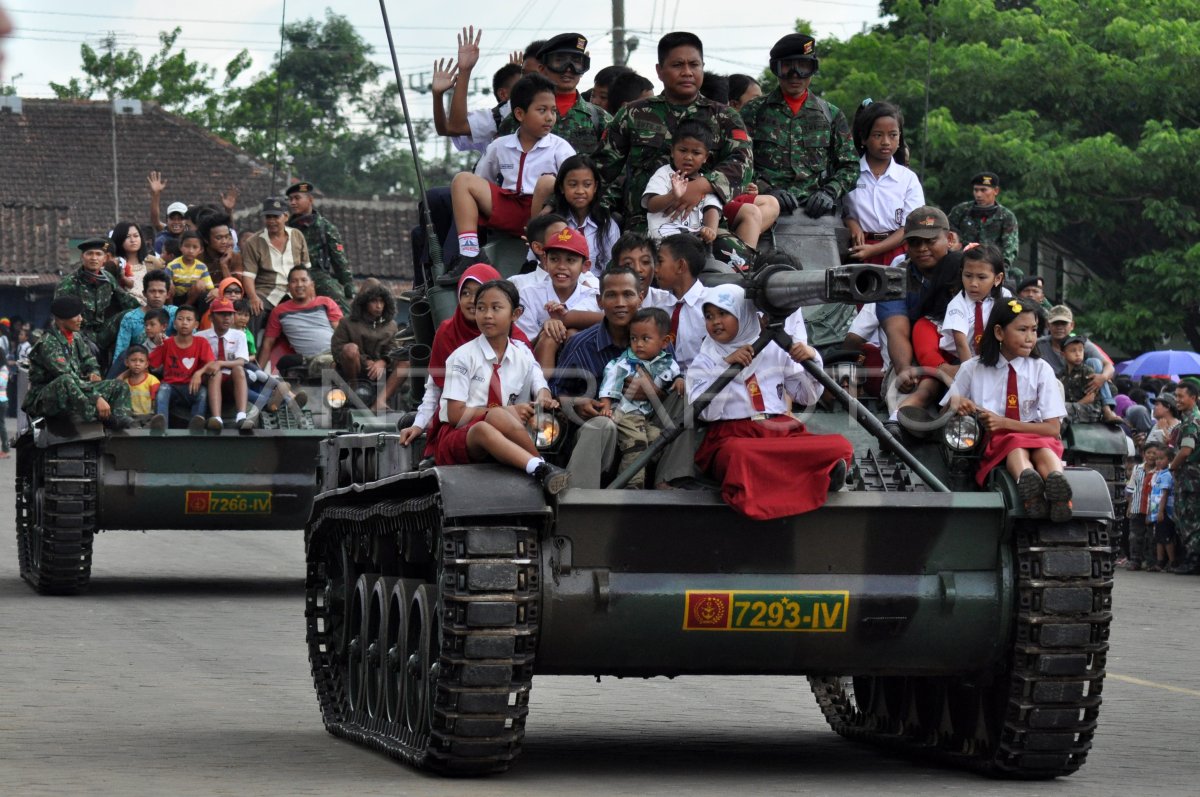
(458, 330)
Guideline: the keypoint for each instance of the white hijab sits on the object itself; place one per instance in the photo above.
(731, 299)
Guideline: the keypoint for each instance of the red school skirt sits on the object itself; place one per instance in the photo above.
(450, 448)
(1001, 444)
(771, 469)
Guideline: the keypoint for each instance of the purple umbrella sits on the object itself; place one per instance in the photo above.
(1161, 362)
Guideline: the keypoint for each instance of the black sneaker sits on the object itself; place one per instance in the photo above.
(1058, 494)
(837, 477)
(552, 478)
(118, 423)
(196, 424)
(158, 425)
(457, 266)
(1032, 492)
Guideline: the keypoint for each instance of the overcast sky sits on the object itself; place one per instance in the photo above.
(45, 44)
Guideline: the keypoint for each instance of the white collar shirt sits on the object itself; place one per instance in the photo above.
(513, 169)
(236, 347)
(882, 204)
(691, 331)
(469, 371)
(536, 295)
(657, 297)
(960, 317)
(775, 373)
(1038, 393)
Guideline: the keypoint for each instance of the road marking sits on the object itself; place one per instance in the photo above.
(1129, 679)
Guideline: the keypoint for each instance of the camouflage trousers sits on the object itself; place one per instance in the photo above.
(69, 395)
(634, 433)
(1187, 510)
(326, 284)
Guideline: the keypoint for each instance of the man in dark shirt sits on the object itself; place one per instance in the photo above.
(580, 368)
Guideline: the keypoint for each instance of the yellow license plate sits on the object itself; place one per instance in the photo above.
(793, 610)
(212, 502)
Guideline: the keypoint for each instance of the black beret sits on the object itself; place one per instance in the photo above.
(66, 306)
(794, 45)
(93, 243)
(296, 188)
(1028, 282)
(990, 179)
(564, 42)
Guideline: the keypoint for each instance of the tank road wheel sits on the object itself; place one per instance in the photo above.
(56, 517)
(375, 653)
(418, 666)
(360, 608)
(395, 642)
(1034, 717)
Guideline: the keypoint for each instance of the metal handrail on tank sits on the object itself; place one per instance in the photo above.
(779, 290)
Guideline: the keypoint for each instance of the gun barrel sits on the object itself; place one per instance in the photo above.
(780, 290)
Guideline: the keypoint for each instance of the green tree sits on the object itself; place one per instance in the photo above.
(1088, 110)
(168, 77)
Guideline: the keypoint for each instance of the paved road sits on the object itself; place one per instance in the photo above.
(184, 672)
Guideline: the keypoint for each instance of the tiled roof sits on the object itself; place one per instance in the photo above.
(57, 184)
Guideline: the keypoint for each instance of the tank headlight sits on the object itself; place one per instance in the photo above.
(961, 432)
(336, 398)
(547, 431)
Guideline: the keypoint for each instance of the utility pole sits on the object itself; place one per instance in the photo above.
(618, 32)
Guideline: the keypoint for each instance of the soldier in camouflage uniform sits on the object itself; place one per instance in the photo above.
(562, 60)
(638, 140)
(64, 377)
(803, 151)
(102, 298)
(330, 268)
(986, 221)
(1186, 469)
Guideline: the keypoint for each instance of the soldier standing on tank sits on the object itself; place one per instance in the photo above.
(64, 377)
(639, 139)
(986, 221)
(99, 293)
(563, 60)
(330, 269)
(1186, 470)
(803, 151)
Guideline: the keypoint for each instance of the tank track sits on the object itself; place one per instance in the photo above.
(56, 517)
(1036, 717)
(484, 582)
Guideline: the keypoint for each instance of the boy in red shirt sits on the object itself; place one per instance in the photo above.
(182, 358)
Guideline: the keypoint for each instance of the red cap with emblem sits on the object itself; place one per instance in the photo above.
(569, 240)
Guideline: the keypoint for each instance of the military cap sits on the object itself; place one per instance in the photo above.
(274, 206)
(926, 222)
(564, 42)
(794, 45)
(1060, 312)
(1080, 339)
(296, 188)
(66, 306)
(989, 179)
(1167, 399)
(1031, 282)
(568, 240)
(93, 243)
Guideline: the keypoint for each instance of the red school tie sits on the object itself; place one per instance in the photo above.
(495, 397)
(1012, 402)
(221, 349)
(675, 320)
(978, 326)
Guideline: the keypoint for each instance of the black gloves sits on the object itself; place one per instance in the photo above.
(787, 202)
(820, 203)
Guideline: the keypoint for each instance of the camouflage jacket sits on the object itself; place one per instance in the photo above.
(1076, 380)
(991, 225)
(638, 142)
(800, 153)
(325, 247)
(582, 127)
(101, 298)
(51, 357)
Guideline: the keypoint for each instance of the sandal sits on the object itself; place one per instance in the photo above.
(1058, 493)
(1032, 491)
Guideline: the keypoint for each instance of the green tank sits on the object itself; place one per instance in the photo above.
(75, 481)
(928, 615)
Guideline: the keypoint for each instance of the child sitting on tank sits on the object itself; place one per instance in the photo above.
(1083, 403)
(143, 387)
(635, 251)
(555, 309)
(648, 357)
(769, 465)
(155, 326)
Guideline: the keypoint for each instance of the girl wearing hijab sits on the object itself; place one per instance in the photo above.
(453, 332)
(769, 465)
